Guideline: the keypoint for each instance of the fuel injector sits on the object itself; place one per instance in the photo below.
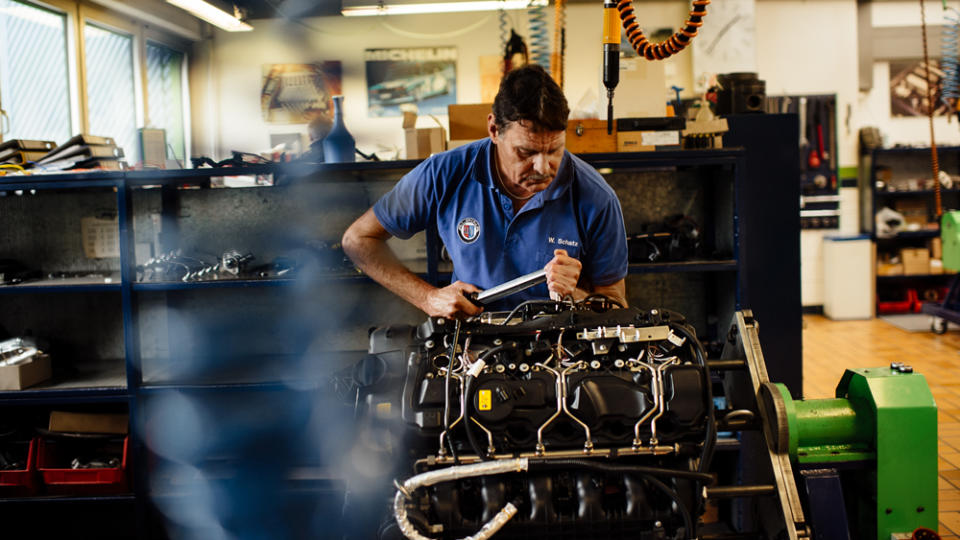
(611, 55)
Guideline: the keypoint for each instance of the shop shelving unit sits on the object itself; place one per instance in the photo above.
(898, 167)
(233, 343)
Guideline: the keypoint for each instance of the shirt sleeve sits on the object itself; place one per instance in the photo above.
(406, 209)
(606, 261)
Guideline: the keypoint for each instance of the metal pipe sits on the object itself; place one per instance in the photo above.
(733, 492)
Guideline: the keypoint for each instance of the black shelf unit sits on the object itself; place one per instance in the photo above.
(896, 176)
(162, 326)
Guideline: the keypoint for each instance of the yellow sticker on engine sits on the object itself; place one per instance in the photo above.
(485, 400)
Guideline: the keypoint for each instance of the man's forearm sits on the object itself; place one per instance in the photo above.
(376, 260)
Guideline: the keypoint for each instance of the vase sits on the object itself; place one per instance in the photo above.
(338, 145)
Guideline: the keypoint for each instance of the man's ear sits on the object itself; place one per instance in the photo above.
(492, 127)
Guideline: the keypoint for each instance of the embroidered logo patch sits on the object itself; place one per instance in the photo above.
(469, 230)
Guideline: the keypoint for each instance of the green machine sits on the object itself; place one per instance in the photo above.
(949, 309)
(861, 465)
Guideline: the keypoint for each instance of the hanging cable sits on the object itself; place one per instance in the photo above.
(539, 39)
(559, 41)
(931, 105)
(672, 45)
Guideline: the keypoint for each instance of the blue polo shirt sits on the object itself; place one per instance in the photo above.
(488, 243)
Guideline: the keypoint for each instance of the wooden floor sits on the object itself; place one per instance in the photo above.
(829, 347)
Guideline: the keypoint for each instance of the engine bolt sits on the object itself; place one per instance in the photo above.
(512, 366)
(619, 363)
(654, 312)
(500, 368)
(498, 341)
(622, 348)
(429, 343)
(524, 367)
(429, 375)
(528, 352)
(602, 347)
(595, 364)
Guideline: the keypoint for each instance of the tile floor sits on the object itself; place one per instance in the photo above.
(829, 347)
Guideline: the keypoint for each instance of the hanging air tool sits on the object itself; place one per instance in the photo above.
(611, 55)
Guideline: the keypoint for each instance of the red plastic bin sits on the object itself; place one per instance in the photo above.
(66, 481)
(899, 306)
(20, 483)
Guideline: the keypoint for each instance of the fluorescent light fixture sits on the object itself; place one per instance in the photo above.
(213, 15)
(399, 7)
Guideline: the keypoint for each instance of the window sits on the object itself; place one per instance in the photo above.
(111, 90)
(165, 95)
(34, 79)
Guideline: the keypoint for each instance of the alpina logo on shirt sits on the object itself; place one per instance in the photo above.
(468, 229)
(562, 241)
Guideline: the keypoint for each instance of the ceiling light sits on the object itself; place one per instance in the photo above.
(213, 15)
(399, 7)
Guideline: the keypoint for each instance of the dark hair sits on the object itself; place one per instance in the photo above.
(529, 93)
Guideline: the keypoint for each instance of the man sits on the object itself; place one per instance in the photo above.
(504, 207)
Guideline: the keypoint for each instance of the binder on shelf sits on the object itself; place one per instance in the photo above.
(21, 156)
(105, 147)
(27, 144)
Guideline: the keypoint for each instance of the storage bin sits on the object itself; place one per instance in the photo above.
(53, 462)
(889, 307)
(20, 482)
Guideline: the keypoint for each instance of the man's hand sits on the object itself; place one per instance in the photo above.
(563, 273)
(451, 302)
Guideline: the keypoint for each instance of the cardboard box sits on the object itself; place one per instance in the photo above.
(916, 261)
(589, 136)
(642, 90)
(914, 211)
(644, 141)
(422, 142)
(468, 121)
(25, 375)
(889, 269)
(936, 266)
(73, 422)
(936, 248)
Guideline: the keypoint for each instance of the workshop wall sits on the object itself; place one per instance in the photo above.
(791, 58)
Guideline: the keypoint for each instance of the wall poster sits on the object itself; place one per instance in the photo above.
(296, 93)
(426, 77)
(908, 88)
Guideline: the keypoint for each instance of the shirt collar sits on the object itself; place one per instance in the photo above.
(483, 173)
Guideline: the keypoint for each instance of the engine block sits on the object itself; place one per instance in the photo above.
(556, 420)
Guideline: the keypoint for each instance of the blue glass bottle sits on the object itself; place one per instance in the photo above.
(338, 145)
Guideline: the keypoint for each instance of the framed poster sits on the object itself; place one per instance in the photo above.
(426, 77)
(296, 93)
(908, 88)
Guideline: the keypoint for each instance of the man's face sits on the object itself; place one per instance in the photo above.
(528, 158)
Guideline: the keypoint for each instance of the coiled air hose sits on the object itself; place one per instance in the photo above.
(672, 45)
(539, 38)
(950, 57)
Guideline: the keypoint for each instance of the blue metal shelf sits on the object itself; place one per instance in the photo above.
(910, 234)
(914, 149)
(665, 158)
(914, 276)
(45, 396)
(130, 498)
(274, 386)
(728, 265)
(65, 285)
(913, 193)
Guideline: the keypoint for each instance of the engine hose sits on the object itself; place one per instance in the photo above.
(672, 45)
(539, 40)
(468, 396)
(449, 474)
(950, 58)
(710, 443)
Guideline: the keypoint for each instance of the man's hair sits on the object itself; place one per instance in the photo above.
(529, 93)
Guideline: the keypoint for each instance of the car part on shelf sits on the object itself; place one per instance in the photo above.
(576, 418)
